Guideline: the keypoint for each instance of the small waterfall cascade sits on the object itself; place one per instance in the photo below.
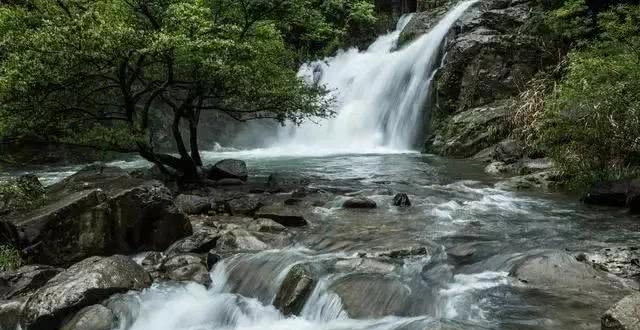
(380, 93)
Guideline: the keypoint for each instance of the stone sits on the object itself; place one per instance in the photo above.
(240, 240)
(25, 280)
(561, 271)
(620, 193)
(462, 253)
(10, 311)
(229, 169)
(265, 225)
(83, 284)
(624, 315)
(286, 215)
(274, 183)
(98, 211)
(191, 204)
(497, 168)
(508, 151)
(540, 180)
(230, 182)
(401, 200)
(371, 295)
(186, 268)
(359, 203)
(201, 241)
(295, 290)
(94, 317)
(364, 265)
(245, 205)
(469, 132)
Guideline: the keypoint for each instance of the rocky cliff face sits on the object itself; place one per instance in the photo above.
(490, 55)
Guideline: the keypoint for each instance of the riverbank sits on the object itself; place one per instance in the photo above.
(475, 247)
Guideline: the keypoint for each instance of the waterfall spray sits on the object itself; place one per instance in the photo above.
(380, 93)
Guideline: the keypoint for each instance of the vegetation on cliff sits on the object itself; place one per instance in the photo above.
(586, 113)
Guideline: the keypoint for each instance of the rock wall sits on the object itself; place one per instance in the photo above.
(490, 55)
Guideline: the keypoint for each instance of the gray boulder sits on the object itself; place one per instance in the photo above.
(201, 241)
(24, 280)
(239, 240)
(186, 268)
(371, 295)
(264, 225)
(95, 317)
(295, 290)
(83, 284)
(245, 205)
(359, 203)
(624, 315)
(99, 211)
(229, 169)
(286, 215)
(10, 311)
(191, 204)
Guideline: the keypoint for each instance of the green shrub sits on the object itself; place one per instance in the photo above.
(21, 193)
(10, 258)
(591, 121)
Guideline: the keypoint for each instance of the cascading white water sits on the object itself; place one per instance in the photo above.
(380, 94)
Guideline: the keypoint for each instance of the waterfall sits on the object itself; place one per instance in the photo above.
(380, 93)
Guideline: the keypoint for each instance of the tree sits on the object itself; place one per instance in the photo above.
(94, 73)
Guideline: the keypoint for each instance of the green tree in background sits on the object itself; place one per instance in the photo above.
(591, 121)
(94, 73)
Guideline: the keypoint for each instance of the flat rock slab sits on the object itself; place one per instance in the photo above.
(285, 215)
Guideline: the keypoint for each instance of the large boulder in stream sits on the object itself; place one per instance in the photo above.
(229, 169)
(624, 315)
(83, 284)
(98, 211)
(295, 290)
(371, 295)
(620, 193)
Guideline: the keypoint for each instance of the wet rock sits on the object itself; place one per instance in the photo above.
(239, 240)
(230, 182)
(10, 311)
(620, 261)
(95, 317)
(359, 203)
(371, 295)
(285, 215)
(621, 193)
(99, 211)
(497, 168)
(186, 268)
(471, 131)
(561, 271)
(246, 205)
(363, 265)
(401, 200)
(83, 284)
(404, 252)
(201, 241)
(508, 151)
(24, 280)
(265, 225)
(151, 263)
(540, 180)
(191, 204)
(295, 290)
(624, 315)
(274, 183)
(461, 253)
(229, 169)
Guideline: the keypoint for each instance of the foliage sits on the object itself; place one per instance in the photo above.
(94, 72)
(21, 193)
(10, 258)
(571, 23)
(591, 121)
